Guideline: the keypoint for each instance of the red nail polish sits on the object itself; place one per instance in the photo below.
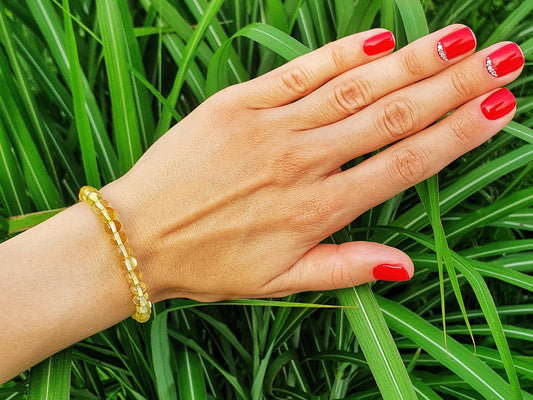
(391, 272)
(498, 104)
(379, 43)
(456, 43)
(504, 60)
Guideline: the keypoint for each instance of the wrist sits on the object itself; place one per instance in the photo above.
(141, 230)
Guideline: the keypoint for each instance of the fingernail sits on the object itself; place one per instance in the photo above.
(456, 43)
(391, 272)
(504, 60)
(498, 104)
(379, 43)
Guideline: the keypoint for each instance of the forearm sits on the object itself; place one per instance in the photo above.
(62, 283)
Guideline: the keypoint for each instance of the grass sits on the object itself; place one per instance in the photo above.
(88, 85)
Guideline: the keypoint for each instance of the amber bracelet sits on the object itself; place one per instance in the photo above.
(112, 226)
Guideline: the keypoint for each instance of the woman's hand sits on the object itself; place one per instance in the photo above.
(234, 200)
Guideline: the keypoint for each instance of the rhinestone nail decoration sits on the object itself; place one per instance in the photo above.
(440, 50)
(490, 68)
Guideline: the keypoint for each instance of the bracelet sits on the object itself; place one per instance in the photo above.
(112, 226)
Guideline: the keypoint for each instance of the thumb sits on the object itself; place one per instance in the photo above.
(329, 266)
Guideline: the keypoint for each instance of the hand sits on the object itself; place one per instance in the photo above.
(234, 200)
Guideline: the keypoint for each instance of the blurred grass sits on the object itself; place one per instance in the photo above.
(88, 85)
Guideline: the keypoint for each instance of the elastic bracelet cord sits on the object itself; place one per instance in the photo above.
(112, 226)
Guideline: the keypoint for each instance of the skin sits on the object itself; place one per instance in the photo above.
(234, 201)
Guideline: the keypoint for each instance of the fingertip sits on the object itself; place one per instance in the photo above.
(499, 104)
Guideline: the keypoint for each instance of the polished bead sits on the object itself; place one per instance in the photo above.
(133, 278)
(119, 238)
(89, 195)
(124, 250)
(130, 263)
(141, 301)
(108, 214)
(99, 206)
(138, 289)
(141, 317)
(112, 227)
(143, 309)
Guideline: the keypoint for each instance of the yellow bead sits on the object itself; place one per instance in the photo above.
(133, 278)
(138, 289)
(89, 195)
(119, 238)
(141, 301)
(130, 263)
(141, 317)
(112, 227)
(124, 250)
(143, 309)
(108, 214)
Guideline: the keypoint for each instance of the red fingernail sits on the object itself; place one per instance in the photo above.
(379, 44)
(498, 104)
(504, 60)
(391, 272)
(456, 43)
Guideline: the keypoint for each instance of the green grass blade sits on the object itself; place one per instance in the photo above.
(195, 79)
(45, 77)
(268, 36)
(41, 187)
(443, 250)
(120, 86)
(88, 153)
(414, 19)
(46, 18)
(461, 189)
(133, 55)
(494, 212)
(306, 27)
(520, 131)
(161, 359)
(321, 21)
(216, 36)
(50, 379)
(505, 28)
(486, 302)
(25, 93)
(20, 223)
(377, 344)
(11, 179)
(452, 355)
(188, 55)
(232, 380)
(191, 381)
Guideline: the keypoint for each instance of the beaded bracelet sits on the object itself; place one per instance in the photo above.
(112, 226)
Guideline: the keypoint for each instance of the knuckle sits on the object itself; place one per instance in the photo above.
(297, 80)
(286, 165)
(462, 83)
(338, 270)
(408, 165)
(339, 56)
(397, 119)
(461, 128)
(412, 64)
(351, 95)
(312, 211)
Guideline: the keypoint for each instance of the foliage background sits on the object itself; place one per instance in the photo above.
(88, 86)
